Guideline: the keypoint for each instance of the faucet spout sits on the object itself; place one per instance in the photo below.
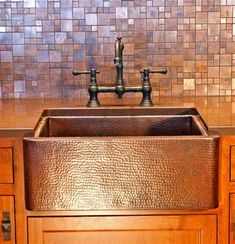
(119, 46)
(118, 60)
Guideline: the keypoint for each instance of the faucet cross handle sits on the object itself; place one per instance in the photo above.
(93, 88)
(90, 72)
(146, 86)
(148, 71)
(160, 71)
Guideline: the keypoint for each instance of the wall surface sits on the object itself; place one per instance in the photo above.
(42, 41)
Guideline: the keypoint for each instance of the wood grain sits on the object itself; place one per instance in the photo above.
(6, 165)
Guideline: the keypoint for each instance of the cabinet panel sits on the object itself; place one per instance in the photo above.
(6, 165)
(232, 219)
(7, 220)
(232, 163)
(125, 230)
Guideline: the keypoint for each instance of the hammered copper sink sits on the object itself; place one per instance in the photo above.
(121, 158)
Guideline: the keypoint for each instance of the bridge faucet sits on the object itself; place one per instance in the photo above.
(119, 87)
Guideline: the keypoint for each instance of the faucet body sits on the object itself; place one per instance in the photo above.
(120, 88)
(118, 61)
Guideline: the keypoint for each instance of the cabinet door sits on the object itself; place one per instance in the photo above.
(6, 165)
(7, 220)
(126, 230)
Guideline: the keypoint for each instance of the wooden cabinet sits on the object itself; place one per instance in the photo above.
(74, 228)
(12, 215)
(123, 229)
(227, 190)
(7, 220)
(132, 227)
(7, 208)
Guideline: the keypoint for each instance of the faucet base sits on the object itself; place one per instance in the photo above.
(146, 103)
(93, 103)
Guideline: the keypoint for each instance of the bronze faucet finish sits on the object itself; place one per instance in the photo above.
(119, 87)
(118, 60)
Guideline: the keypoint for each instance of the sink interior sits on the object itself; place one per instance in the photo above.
(92, 126)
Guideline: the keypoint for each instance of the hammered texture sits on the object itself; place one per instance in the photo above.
(121, 173)
(120, 126)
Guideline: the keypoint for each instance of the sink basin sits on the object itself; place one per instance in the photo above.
(121, 158)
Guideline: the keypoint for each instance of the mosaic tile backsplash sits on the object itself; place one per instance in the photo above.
(42, 41)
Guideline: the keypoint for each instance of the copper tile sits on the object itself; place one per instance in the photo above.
(189, 84)
(213, 90)
(225, 60)
(201, 36)
(225, 83)
(225, 71)
(189, 66)
(213, 17)
(201, 66)
(213, 29)
(189, 11)
(213, 72)
(177, 60)
(189, 54)
(201, 90)
(170, 36)
(201, 17)
(121, 13)
(230, 47)
(226, 11)
(152, 24)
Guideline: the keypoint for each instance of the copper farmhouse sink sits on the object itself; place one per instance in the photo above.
(121, 158)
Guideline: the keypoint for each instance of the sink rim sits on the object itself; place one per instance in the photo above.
(44, 121)
(119, 111)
